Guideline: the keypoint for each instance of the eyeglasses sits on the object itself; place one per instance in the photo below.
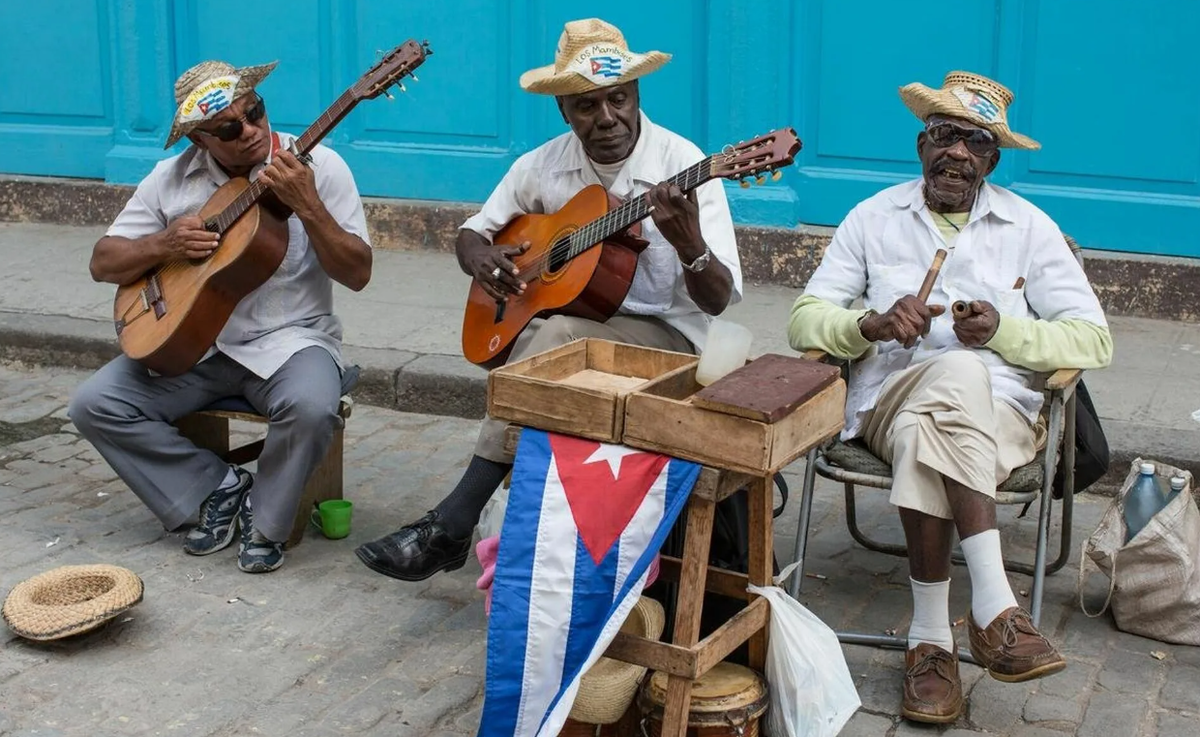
(231, 130)
(979, 141)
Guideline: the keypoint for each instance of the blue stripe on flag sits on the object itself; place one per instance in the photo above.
(509, 619)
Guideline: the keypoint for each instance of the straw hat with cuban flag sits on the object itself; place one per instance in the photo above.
(591, 54)
(972, 97)
(208, 88)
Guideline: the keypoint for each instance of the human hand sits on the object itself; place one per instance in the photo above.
(188, 238)
(907, 320)
(292, 182)
(677, 217)
(979, 325)
(492, 266)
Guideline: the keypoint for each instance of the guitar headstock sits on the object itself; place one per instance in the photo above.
(757, 157)
(393, 67)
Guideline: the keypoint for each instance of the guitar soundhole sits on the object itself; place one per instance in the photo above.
(560, 254)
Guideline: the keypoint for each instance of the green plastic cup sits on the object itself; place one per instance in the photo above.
(333, 517)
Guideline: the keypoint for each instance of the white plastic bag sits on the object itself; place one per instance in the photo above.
(491, 519)
(812, 693)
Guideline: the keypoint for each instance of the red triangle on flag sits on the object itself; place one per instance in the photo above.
(601, 503)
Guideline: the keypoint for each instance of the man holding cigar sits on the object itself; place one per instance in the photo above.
(948, 400)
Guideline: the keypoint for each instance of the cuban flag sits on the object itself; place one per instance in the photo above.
(584, 520)
(606, 66)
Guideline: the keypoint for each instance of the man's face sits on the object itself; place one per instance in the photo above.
(605, 120)
(955, 156)
(251, 145)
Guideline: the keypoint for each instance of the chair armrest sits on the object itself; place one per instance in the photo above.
(1063, 379)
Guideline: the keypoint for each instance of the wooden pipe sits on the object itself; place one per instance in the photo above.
(960, 310)
(927, 286)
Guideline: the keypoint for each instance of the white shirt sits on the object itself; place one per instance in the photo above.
(885, 246)
(544, 179)
(294, 308)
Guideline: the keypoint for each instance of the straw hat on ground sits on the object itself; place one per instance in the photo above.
(608, 688)
(208, 88)
(591, 54)
(973, 97)
(70, 600)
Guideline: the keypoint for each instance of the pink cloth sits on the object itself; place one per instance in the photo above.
(488, 549)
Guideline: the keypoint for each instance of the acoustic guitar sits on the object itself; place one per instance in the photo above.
(171, 315)
(581, 259)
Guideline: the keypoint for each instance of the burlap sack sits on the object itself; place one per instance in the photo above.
(1154, 579)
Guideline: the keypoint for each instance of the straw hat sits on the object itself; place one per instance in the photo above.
(69, 600)
(608, 688)
(591, 54)
(208, 88)
(972, 97)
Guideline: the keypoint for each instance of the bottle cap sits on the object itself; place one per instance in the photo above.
(1148, 469)
(1178, 482)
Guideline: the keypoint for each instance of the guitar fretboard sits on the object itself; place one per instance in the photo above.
(305, 143)
(616, 220)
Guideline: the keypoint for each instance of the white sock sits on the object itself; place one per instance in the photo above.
(231, 479)
(931, 615)
(990, 591)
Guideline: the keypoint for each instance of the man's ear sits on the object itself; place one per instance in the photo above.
(921, 140)
(562, 111)
(197, 141)
(995, 161)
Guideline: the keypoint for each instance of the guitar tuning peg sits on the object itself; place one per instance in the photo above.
(378, 54)
(414, 77)
(388, 95)
(402, 87)
(760, 180)
(776, 175)
(743, 184)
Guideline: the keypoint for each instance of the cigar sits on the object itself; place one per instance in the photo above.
(931, 277)
(1019, 283)
(960, 310)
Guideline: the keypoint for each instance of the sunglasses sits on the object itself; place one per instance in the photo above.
(979, 141)
(231, 130)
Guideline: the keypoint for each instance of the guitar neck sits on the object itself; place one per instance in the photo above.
(616, 220)
(305, 143)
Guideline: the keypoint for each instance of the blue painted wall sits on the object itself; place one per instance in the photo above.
(1105, 85)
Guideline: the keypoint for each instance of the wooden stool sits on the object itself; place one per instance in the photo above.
(209, 429)
(689, 657)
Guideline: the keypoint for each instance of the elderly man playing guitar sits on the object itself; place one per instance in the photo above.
(281, 347)
(688, 272)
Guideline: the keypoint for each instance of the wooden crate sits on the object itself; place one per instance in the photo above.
(661, 417)
(578, 388)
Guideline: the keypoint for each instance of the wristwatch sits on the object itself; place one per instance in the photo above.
(700, 263)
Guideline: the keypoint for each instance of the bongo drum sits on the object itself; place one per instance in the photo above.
(727, 701)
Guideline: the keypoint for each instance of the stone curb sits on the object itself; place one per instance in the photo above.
(1137, 286)
(440, 384)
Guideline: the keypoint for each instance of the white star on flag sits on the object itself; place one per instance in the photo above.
(612, 454)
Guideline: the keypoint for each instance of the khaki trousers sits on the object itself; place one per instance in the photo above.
(938, 419)
(542, 335)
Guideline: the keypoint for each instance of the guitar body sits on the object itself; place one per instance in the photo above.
(195, 298)
(591, 285)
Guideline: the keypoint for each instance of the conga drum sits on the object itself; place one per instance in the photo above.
(727, 701)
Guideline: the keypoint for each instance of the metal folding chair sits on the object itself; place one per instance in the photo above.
(854, 465)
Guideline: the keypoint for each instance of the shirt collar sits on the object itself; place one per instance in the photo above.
(989, 200)
(639, 166)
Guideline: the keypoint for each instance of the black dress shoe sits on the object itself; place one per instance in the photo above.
(417, 551)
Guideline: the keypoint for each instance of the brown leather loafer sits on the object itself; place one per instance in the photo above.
(932, 689)
(1012, 649)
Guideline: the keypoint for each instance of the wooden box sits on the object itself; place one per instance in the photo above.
(578, 388)
(661, 417)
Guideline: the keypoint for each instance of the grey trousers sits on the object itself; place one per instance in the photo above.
(127, 414)
(542, 335)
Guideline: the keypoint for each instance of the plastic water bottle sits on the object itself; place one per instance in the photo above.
(1177, 484)
(1142, 502)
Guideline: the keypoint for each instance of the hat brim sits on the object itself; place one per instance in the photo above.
(248, 79)
(609, 686)
(545, 81)
(924, 101)
(70, 600)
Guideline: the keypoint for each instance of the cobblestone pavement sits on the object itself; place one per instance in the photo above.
(325, 647)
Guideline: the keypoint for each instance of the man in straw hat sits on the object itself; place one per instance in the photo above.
(689, 272)
(281, 348)
(950, 404)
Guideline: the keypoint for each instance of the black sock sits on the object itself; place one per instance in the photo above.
(461, 509)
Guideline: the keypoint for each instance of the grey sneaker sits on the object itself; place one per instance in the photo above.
(217, 516)
(256, 554)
